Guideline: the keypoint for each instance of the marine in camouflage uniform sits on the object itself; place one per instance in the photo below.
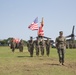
(28, 46)
(61, 45)
(37, 46)
(47, 43)
(42, 44)
(13, 45)
(31, 46)
(21, 45)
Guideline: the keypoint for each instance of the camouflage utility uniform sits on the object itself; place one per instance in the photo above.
(42, 44)
(13, 45)
(61, 45)
(21, 45)
(31, 46)
(47, 43)
(37, 47)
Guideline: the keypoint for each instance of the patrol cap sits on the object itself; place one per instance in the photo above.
(61, 32)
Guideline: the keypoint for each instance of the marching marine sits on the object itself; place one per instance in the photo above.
(37, 46)
(21, 45)
(13, 44)
(48, 44)
(30, 46)
(61, 45)
(42, 44)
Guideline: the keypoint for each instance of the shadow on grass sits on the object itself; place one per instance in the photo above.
(52, 64)
(25, 56)
(22, 56)
(56, 64)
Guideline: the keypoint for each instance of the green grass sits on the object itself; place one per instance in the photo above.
(22, 64)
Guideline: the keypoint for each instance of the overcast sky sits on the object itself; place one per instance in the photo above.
(17, 15)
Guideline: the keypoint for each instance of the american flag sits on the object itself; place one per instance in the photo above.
(34, 24)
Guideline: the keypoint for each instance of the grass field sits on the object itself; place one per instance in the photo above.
(22, 64)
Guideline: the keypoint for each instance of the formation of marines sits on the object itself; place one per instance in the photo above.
(39, 45)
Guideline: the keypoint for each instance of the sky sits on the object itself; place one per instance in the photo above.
(17, 15)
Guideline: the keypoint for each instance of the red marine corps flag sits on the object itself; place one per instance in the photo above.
(34, 25)
(41, 31)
